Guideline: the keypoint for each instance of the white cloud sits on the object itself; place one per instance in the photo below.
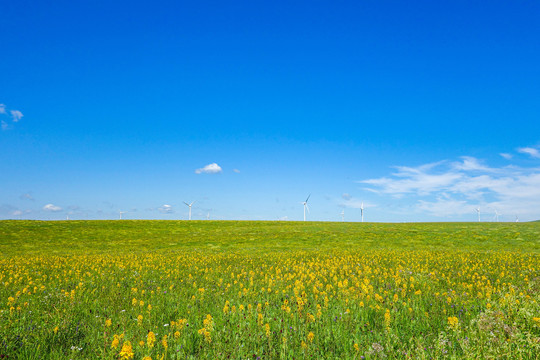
(4, 125)
(16, 115)
(457, 188)
(346, 196)
(530, 151)
(51, 207)
(166, 209)
(506, 156)
(2, 109)
(414, 180)
(236, 171)
(209, 169)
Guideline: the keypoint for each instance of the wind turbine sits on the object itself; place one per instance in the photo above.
(189, 205)
(342, 215)
(478, 212)
(121, 212)
(208, 216)
(497, 216)
(362, 211)
(306, 206)
(517, 219)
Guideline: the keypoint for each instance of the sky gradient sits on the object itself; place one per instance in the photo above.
(423, 111)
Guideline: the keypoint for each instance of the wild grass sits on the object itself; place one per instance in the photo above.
(269, 290)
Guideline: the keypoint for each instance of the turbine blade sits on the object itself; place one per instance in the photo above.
(307, 207)
(308, 197)
(185, 203)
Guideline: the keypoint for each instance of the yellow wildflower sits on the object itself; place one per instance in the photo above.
(127, 351)
(151, 339)
(164, 342)
(453, 322)
(115, 342)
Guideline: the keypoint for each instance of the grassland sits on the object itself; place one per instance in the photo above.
(248, 290)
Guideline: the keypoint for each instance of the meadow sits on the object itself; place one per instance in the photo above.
(268, 290)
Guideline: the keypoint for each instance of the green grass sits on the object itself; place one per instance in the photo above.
(273, 290)
(72, 237)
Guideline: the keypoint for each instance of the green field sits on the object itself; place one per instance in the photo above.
(269, 290)
(72, 237)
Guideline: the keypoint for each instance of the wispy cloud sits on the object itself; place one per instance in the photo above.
(456, 188)
(16, 115)
(350, 202)
(8, 211)
(52, 208)
(166, 209)
(236, 171)
(506, 156)
(209, 169)
(530, 151)
(27, 196)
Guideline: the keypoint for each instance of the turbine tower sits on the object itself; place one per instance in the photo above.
(362, 211)
(497, 216)
(208, 216)
(306, 206)
(121, 212)
(189, 205)
(478, 212)
(342, 215)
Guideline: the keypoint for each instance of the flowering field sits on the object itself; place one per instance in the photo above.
(268, 290)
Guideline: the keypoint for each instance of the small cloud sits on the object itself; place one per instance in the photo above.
(4, 125)
(166, 209)
(27, 196)
(346, 196)
(51, 207)
(16, 115)
(17, 213)
(530, 151)
(209, 169)
(2, 109)
(236, 171)
(506, 156)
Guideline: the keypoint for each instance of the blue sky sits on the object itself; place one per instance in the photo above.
(423, 111)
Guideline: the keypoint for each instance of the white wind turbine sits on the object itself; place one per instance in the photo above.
(362, 211)
(478, 212)
(208, 216)
(306, 206)
(497, 215)
(120, 213)
(189, 205)
(342, 215)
